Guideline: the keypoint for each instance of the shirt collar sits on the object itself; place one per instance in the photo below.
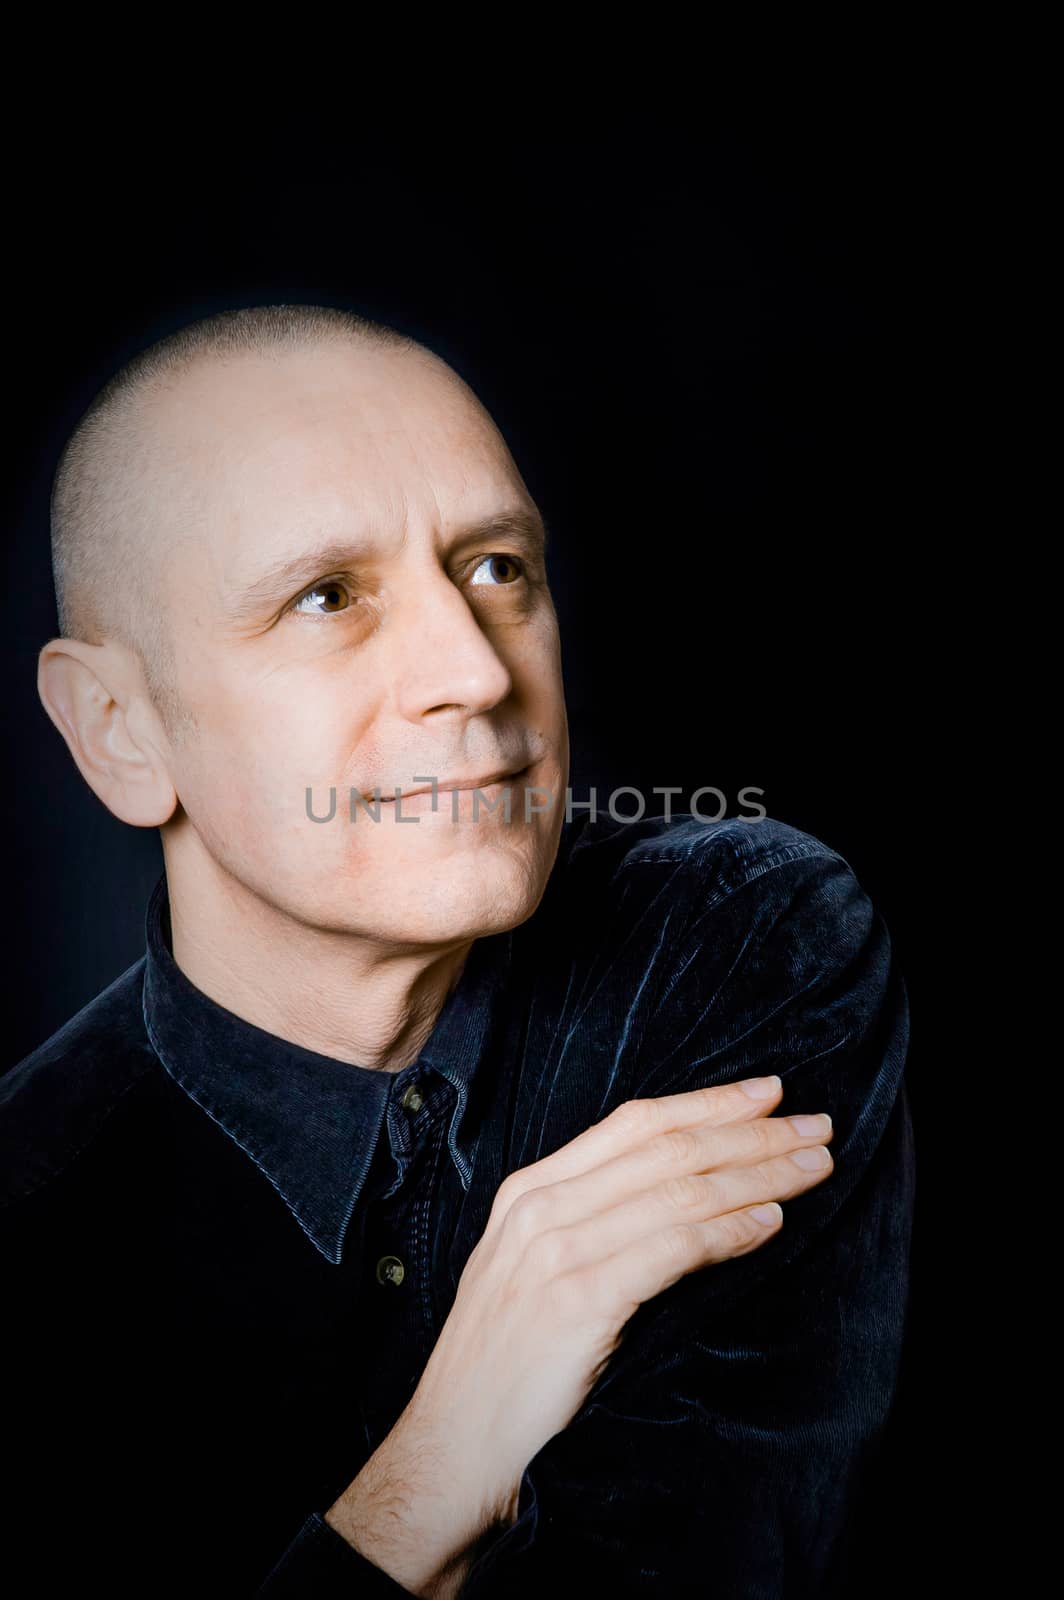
(311, 1123)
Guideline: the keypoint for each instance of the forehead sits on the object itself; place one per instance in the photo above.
(269, 445)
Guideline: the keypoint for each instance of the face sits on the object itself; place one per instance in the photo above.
(359, 601)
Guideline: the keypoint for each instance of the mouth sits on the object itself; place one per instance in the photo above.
(484, 782)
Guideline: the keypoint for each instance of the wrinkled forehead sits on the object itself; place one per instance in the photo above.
(257, 453)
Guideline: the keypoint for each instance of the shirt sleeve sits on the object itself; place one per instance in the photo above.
(320, 1564)
(719, 1452)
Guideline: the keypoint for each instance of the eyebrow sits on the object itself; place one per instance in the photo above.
(294, 573)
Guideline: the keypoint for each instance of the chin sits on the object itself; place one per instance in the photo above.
(470, 894)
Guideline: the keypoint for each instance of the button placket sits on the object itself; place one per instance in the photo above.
(390, 1269)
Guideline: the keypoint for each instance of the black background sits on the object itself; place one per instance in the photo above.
(703, 341)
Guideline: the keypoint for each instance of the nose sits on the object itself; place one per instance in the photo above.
(442, 662)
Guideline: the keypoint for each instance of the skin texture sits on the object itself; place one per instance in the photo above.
(420, 658)
(433, 661)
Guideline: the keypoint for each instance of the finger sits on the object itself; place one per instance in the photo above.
(616, 1285)
(697, 1197)
(667, 1157)
(634, 1122)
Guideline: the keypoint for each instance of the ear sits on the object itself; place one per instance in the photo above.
(95, 695)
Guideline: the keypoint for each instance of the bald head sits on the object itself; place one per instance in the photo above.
(120, 499)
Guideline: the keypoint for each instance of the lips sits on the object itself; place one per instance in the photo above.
(449, 784)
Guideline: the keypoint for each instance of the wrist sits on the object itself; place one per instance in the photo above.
(410, 1512)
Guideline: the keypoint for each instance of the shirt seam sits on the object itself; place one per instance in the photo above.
(423, 1247)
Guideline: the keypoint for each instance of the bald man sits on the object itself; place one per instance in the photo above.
(407, 1220)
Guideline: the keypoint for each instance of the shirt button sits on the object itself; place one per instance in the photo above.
(390, 1270)
(411, 1098)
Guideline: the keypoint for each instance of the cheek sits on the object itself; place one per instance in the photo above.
(256, 755)
(538, 657)
(545, 690)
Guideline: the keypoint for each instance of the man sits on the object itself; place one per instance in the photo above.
(404, 1221)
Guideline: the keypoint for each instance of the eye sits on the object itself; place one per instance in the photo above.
(333, 593)
(512, 569)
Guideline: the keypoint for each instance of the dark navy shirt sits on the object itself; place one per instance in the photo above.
(227, 1258)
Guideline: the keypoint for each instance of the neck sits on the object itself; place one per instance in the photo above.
(336, 993)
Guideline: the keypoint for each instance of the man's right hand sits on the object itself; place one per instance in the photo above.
(574, 1244)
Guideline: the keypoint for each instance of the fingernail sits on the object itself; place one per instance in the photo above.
(761, 1088)
(814, 1156)
(769, 1215)
(819, 1122)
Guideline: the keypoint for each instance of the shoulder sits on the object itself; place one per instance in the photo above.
(701, 915)
(681, 954)
(670, 911)
(54, 1102)
(702, 863)
(737, 941)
